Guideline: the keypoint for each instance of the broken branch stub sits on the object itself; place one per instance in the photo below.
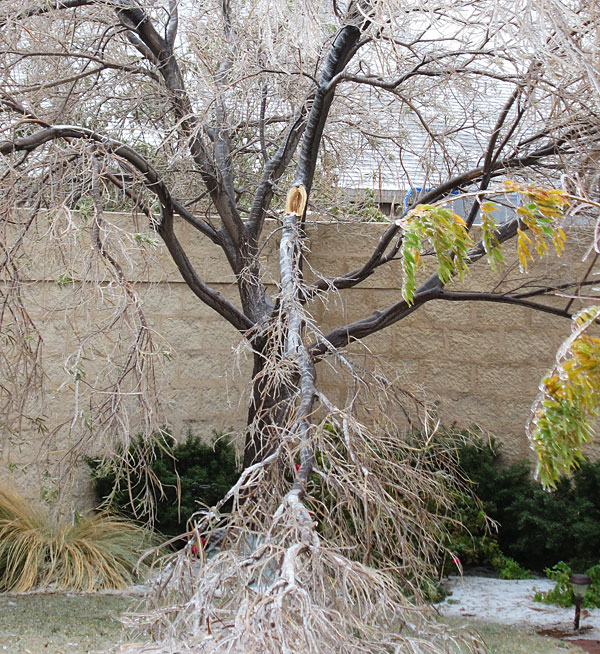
(295, 203)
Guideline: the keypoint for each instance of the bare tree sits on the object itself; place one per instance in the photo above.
(222, 115)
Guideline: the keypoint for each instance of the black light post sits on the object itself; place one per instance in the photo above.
(580, 584)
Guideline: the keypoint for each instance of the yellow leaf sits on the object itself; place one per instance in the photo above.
(489, 206)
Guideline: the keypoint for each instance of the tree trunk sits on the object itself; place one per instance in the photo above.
(268, 407)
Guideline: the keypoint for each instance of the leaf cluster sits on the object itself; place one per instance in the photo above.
(539, 214)
(437, 226)
(443, 230)
(565, 413)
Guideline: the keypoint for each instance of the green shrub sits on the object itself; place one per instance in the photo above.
(537, 528)
(473, 538)
(509, 569)
(90, 552)
(192, 474)
(562, 593)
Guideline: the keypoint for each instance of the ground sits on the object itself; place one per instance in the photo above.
(57, 623)
(503, 612)
(510, 602)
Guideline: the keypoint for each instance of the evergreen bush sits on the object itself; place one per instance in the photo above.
(537, 528)
(192, 474)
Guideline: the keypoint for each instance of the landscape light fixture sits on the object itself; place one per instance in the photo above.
(580, 584)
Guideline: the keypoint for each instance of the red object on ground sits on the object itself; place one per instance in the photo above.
(194, 548)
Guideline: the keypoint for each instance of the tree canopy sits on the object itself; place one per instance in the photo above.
(224, 114)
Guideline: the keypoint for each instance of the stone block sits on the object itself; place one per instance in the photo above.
(204, 405)
(496, 316)
(467, 411)
(536, 348)
(555, 326)
(514, 381)
(441, 378)
(451, 314)
(420, 342)
(196, 333)
(473, 346)
(165, 300)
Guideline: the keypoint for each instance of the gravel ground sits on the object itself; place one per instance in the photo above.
(61, 623)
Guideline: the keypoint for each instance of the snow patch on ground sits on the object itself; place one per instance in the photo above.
(511, 602)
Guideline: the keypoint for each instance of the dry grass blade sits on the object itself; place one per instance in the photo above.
(87, 553)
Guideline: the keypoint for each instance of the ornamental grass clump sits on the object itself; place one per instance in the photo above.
(87, 552)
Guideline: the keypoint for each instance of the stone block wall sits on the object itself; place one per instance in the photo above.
(482, 361)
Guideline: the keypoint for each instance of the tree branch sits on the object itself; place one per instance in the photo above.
(392, 85)
(54, 132)
(136, 20)
(343, 49)
(48, 7)
(377, 321)
(156, 185)
(272, 171)
(103, 64)
(491, 155)
(477, 296)
(310, 129)
(545, 290)
(208, 295)
(179, 209)
(378, 257)
(172, 24)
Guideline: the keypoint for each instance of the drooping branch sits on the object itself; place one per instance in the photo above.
(157, 186)
(54, 132)
(138, 362)
(295, 349)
